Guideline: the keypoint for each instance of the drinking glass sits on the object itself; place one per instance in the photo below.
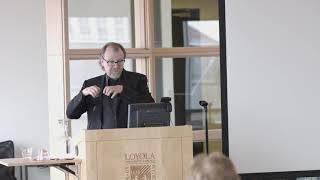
(26, 153)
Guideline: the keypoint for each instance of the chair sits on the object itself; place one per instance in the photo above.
(6, 151)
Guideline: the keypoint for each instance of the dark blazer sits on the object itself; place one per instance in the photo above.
(135, 90)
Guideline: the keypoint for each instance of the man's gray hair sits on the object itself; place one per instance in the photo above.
(115, 46)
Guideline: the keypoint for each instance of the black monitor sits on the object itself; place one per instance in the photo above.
(149, 114)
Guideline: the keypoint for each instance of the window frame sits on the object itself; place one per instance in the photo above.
(58, 47)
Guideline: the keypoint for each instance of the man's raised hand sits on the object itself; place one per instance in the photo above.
(112, 90)
(93, 91)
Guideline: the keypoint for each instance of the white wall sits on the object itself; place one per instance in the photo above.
(23, 77)
(273, 84)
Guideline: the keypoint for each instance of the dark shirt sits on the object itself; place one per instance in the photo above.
(110, 106)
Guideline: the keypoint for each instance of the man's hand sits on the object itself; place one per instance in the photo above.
(112, 90)
(94, 91)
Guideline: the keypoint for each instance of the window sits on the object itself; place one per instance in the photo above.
(174, 42)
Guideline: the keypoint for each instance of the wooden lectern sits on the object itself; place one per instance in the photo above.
(153, 153)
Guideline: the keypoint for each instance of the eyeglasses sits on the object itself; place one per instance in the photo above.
(113, 63)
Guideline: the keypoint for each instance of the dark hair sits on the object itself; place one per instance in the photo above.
(115, 46)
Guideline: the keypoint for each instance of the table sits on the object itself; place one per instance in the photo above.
(61, 164)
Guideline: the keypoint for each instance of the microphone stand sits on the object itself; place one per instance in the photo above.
(204, 104)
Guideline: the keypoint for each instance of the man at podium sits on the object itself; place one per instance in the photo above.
(105, 98)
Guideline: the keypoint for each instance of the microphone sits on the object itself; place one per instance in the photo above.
(204, 104)
(165, 99)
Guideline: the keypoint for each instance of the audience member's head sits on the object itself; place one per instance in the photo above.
(216, 166)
